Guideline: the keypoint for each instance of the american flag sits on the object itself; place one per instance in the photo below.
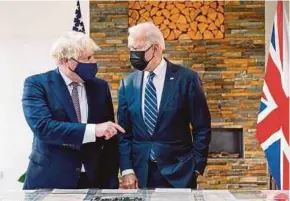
(78, 22)
(273, 118)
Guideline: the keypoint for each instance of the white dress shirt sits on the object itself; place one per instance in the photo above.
(158, 81)
(90, 131)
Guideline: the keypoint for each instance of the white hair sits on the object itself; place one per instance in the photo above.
(150, 31)
(72, 45)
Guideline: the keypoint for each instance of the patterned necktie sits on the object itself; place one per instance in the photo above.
(150, 108)
(75, 99)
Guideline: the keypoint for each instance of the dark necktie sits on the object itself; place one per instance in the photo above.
(75, 99)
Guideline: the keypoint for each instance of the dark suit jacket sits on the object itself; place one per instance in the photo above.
(57, 150)
(178, 150)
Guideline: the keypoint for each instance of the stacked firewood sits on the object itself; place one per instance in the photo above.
(181, 19)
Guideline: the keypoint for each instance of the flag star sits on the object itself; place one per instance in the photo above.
(80, 28)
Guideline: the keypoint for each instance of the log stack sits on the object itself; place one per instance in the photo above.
(181, 20)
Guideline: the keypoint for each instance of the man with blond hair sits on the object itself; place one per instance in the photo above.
(157, 104)
(70, 113)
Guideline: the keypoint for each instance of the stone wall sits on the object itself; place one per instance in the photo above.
(231, 69)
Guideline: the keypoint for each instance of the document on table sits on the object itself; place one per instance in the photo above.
(117, 191)
(62, 197)
(213, 195)
(172, 194)
(70, 191)
(172, 190)
(18, 195)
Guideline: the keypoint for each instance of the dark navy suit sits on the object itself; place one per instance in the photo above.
(57, 150)
(179, 151)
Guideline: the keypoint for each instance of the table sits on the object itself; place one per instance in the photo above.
(138, 195)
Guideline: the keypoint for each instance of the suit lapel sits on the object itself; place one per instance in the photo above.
(138, 88)
(60, 90)
(169, 87)
(90, 91)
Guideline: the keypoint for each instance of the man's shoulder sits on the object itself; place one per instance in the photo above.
(184, 72)
(99, 82)
(190, 74)
(130, 78)
(40, 77)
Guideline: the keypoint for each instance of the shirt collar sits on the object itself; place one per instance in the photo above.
(66, 79)
(160, 70)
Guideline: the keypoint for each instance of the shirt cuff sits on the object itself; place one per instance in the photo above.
(90, 133)
(128, 171)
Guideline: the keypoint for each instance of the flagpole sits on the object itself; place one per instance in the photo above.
(272, 184)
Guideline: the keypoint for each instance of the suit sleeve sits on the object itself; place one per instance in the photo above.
(201, 123)
(125, 140)
(39, 119)
(110, 157)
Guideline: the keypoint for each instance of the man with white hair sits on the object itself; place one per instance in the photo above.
(157, 104)
(70, 113)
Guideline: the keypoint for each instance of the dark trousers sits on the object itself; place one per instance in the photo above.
(84, 182)
(156, 180)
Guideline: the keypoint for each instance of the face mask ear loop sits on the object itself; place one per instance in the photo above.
(148, 48)
(70, 69)
(153, 53)
(75, 61)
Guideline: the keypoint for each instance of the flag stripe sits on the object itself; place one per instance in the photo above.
(273, 38)
(273, 119)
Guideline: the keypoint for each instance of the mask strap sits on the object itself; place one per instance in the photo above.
(70, 69)
(152, 55)
(75, 61)
(148, 48)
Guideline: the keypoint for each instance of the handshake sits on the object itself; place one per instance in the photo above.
(108, 130)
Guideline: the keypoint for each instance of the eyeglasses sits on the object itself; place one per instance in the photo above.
(139, 49)
(88, 58)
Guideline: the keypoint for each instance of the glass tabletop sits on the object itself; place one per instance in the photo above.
(144, 195)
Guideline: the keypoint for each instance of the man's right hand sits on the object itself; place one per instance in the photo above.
(130, 181)
(108, 130)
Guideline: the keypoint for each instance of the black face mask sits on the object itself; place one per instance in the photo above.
(137, 59)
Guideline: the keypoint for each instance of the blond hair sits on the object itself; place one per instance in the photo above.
(72, 45)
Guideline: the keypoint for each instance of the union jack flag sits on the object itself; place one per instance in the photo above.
(273, 118)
